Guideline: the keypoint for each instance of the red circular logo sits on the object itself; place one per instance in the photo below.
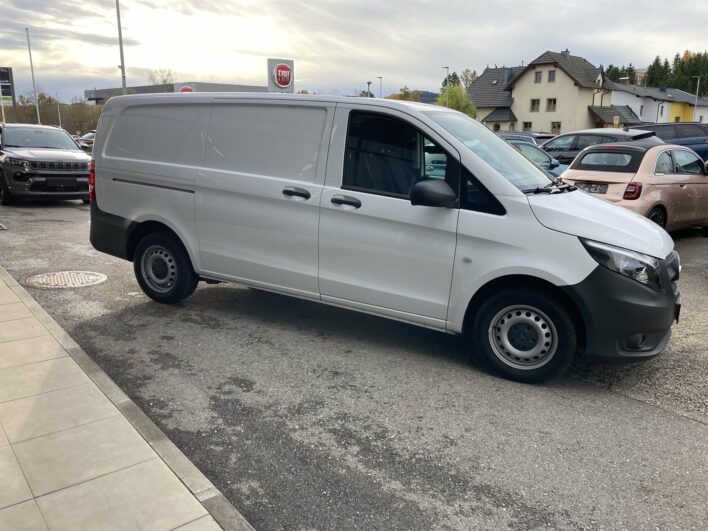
(186, 89)
(282, 75)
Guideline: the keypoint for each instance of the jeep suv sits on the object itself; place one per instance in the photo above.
(41, 161)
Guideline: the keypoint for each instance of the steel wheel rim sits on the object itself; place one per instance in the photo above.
(523, 337)
(159, 268)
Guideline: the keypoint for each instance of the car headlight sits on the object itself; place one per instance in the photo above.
(17, 162)
(640, 267)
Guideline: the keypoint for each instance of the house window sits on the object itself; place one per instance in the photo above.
(511, 124)
(537, 77)
(527, 126)
(641, 110)
(497, 127)
(700, 119)
(677, 118)
(551, 76)
(551, 105)
(535, 105)
(555, 128)
(661, 111)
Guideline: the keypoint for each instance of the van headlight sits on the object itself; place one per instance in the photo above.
(17, 162)
(637, 266)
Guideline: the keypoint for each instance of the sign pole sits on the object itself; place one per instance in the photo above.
(58, 110)
(2, 104)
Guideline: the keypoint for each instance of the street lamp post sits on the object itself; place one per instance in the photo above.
(380, 86)
(368, 88)
(120, 44)
(34, 86)
(447, 85)
(695, 102)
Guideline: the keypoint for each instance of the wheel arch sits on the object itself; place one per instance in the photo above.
(510, 282)
(152, 226)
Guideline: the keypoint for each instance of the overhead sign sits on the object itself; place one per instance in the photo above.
(281, 75)
(7, 88)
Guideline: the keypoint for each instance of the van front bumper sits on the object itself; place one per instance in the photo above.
(623, 318)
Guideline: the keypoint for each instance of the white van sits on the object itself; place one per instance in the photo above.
(407, 211)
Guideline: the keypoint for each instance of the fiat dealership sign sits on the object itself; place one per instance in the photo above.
(281, 75)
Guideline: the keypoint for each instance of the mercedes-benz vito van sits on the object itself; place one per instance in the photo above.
(336, 200)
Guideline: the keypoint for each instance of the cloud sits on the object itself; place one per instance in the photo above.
(337, 44)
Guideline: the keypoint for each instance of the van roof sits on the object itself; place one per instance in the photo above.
(202, 97)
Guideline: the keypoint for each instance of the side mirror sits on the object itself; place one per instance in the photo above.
(434, 193)
(554, 164)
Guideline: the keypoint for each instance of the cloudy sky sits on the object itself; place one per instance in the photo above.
(337, 45)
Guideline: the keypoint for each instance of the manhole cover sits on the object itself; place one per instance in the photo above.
(65, 279)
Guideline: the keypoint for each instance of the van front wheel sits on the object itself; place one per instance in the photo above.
(525, 335)
(163, 269)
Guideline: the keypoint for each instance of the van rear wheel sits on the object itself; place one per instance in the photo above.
(163, 268)
(525, 335)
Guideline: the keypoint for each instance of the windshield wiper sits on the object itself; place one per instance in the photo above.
(544, 190)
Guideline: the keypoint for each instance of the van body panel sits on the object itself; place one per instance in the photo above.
(413, 275)
(249, 228)
(491, 247)
(583, 215)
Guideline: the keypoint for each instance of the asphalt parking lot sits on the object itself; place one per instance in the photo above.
(311, 417)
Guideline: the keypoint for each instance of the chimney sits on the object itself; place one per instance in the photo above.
(506, 75)
(566, 53)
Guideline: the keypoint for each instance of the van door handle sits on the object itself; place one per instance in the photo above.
(346, 200)
(291, 191)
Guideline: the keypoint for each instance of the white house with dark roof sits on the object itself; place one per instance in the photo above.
(492, 101)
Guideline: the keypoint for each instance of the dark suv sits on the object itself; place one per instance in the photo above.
(565, 147)
(41, 161)
(693, 135)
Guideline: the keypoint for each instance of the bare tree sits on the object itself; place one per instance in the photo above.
(467, 77)
(162, 77)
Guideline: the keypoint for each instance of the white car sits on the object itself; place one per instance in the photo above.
(330, 199)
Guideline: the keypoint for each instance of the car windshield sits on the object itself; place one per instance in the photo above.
(506, 160)
(30, 137)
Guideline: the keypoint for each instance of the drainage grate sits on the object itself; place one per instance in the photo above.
(65, 279)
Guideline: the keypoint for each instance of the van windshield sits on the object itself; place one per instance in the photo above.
(506, 160)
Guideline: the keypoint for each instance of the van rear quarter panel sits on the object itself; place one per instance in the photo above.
(147, 157)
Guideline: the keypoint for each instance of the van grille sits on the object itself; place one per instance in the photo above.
(59, 166)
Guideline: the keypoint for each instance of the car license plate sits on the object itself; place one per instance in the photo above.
(592, 188)
(62, 183)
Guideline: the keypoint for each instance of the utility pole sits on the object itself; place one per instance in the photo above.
(447, 85)
(380, 86)
(120, 44)
(58, 110)
(34, 86)
(695, 102)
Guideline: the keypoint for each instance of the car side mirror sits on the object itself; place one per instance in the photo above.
(554, 163)
(434, 193)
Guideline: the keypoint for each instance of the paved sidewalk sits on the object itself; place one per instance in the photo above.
(75, 451)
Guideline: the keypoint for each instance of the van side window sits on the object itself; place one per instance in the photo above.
(387, 156)
(664, 164)
(477, 198)
(160, 133)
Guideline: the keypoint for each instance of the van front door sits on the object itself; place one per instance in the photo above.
(258, 195)
(377, 250)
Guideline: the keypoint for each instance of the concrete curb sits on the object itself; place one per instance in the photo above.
(208, 495)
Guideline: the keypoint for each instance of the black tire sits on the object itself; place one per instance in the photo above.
(658, 216)
(525, 335)
(163, 268)
(6, 197)
(704, 230)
